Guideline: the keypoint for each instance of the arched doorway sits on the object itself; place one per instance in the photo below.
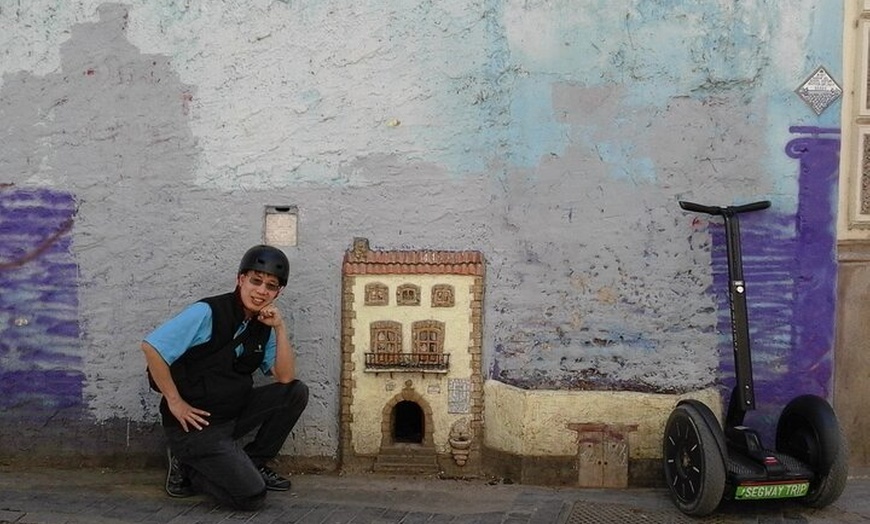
(406, 444)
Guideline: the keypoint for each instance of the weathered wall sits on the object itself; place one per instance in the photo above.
(538, 423)
(546, 437)
(553, 136)
(852, 355)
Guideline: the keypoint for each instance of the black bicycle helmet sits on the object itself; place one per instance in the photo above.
(266, 259)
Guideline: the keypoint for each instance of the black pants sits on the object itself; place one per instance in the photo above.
(217, 464)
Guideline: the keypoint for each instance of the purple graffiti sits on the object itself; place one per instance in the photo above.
(40, 357)
(790, 268)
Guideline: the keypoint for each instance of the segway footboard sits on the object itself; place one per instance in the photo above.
(777, 476)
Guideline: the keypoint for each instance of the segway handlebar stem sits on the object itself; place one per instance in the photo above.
(743, 394)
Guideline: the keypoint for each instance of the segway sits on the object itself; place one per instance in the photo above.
(705, 464)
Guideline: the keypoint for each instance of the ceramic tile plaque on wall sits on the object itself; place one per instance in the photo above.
(458, 395)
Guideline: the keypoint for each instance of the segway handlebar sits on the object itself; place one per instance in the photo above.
(727, 210)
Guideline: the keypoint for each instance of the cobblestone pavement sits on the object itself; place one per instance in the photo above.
(92, 496)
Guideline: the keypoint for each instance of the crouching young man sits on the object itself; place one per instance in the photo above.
(202, 361)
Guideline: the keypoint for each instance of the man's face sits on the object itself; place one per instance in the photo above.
(257, 290)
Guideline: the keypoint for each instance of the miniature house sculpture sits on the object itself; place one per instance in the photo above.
(411, 383)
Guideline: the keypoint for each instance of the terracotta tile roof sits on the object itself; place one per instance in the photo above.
(360, 260)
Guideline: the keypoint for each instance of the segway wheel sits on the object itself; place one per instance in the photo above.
(808, 430)
(693, 463)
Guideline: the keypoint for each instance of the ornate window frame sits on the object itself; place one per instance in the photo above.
(386, 337)
(377, 294)
(408, 295)
(428, 337)
(443, 295)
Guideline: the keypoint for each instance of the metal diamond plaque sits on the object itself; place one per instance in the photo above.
(819, 91)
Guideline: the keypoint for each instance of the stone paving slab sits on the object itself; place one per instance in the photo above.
(104, 496)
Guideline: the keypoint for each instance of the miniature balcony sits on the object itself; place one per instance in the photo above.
(407, 362)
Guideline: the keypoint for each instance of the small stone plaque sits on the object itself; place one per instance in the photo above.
(280, 227)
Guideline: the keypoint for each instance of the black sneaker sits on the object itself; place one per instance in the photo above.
(177, 483)
(274, 481)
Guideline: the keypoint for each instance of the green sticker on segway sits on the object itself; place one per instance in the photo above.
(772, 491)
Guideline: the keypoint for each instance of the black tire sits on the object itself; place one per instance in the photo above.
(809, 431)
(693, 463)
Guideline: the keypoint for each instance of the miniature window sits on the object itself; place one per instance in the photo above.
(377, 294)
(442, 296)
(428, 337)
(408, 295)
(386, 337)
(386, 342)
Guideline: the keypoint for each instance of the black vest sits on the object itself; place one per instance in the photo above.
(210, 376)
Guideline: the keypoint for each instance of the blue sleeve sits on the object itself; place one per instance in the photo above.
(189, 328)
(269, 354)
